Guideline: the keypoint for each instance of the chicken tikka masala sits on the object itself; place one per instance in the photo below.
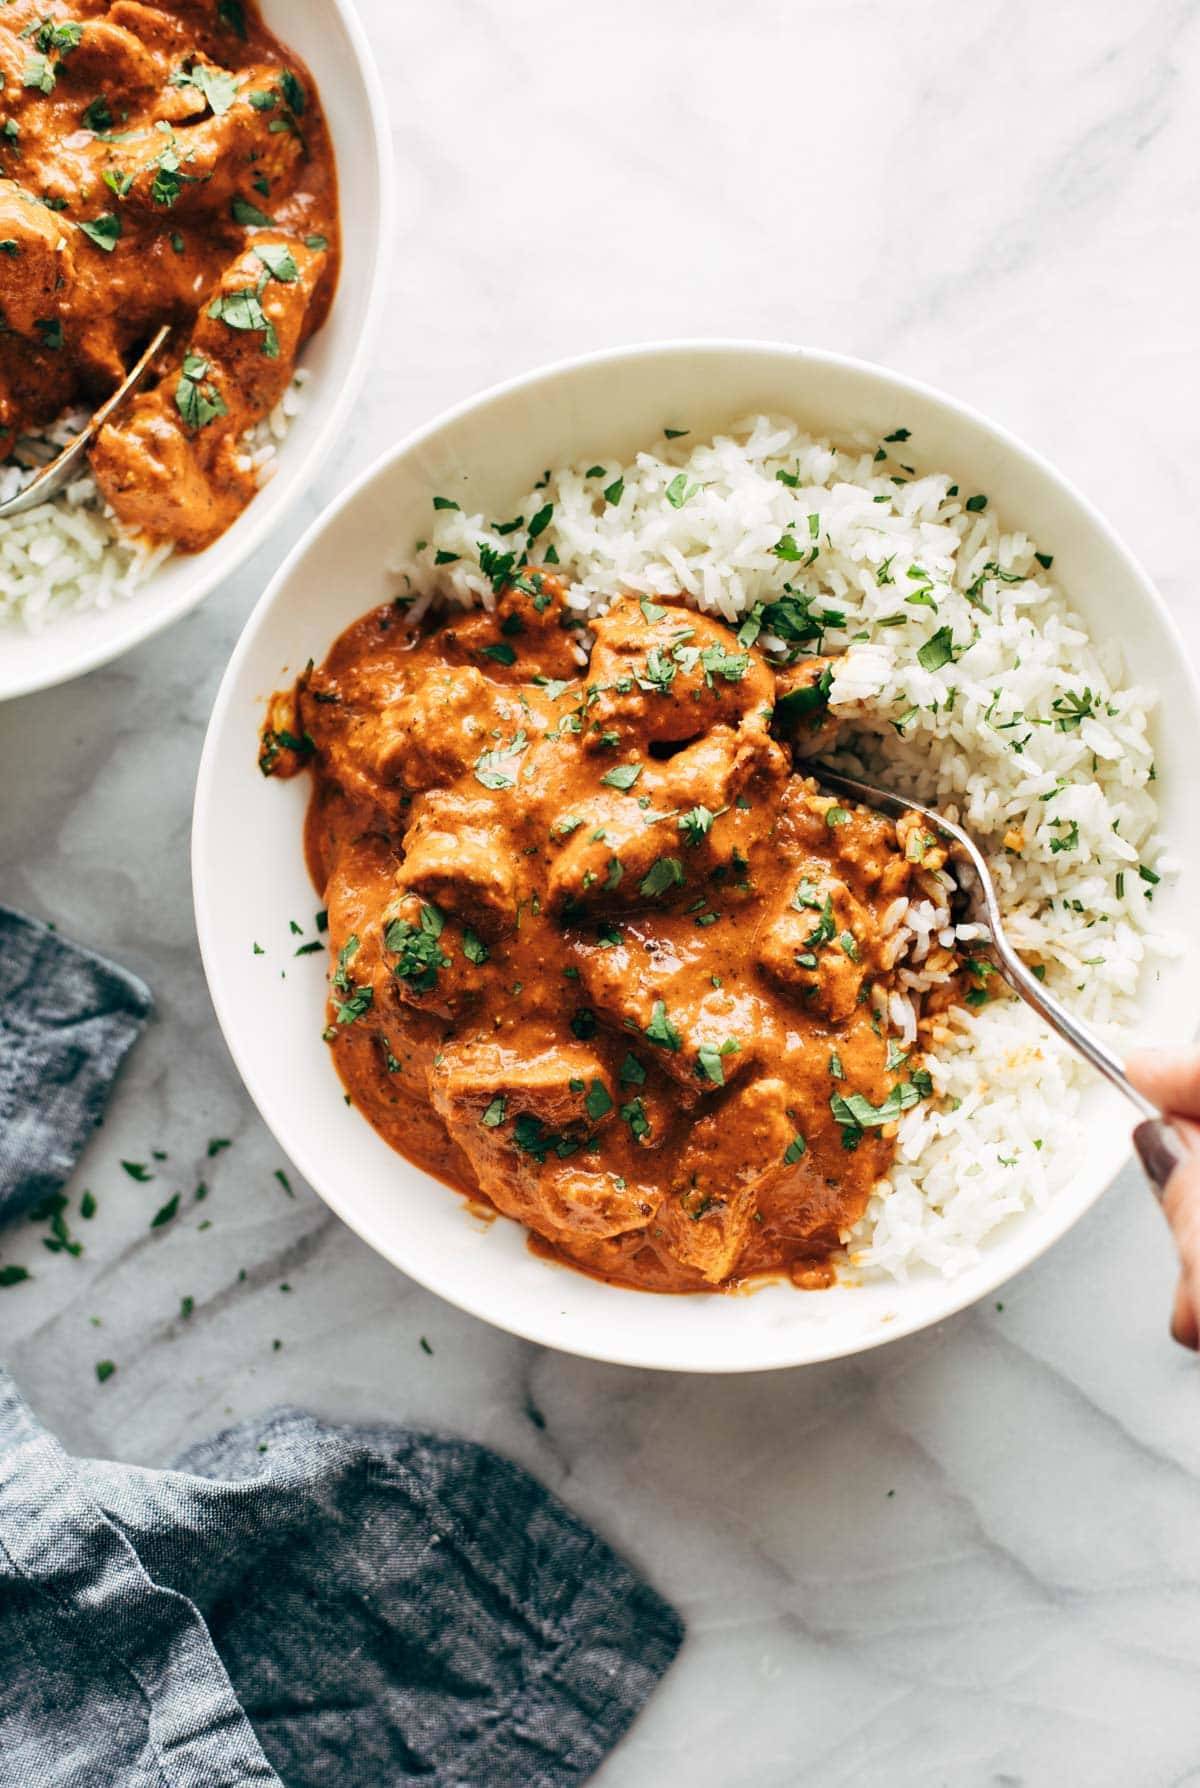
(159, 163)
(601, 954)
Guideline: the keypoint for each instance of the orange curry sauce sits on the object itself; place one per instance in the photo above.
(159, 164)
(599, 954)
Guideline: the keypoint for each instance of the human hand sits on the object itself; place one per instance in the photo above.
(1170, 1154)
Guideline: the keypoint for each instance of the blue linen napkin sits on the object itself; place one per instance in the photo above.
(292, 1603)
(67, 1019)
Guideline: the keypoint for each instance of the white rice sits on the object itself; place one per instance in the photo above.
(71, 555)
(1029, 730)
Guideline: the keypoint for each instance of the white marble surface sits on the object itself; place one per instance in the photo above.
(972, 1559)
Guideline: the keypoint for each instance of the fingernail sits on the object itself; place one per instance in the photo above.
(1160, 1151)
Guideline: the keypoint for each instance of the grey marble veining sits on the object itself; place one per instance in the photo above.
(972, 1559)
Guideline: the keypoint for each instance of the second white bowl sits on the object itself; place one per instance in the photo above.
(329, 37)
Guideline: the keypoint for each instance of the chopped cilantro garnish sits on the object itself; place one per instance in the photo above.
(660, 1030)
(490, 768)
(97, 116)
(938, 650)
(709, 1059)
(495, 566)
(634, 1114)
(417, 949)
(1072, 709)
(855, 1110)
(196, 396)
(598, 1101)
(166, 1213)
(278, 261)
(696, 824)
(218, 86)
(622, 776)
(474, 948)
(664, 873)
(104, 231)
(232, 15)
(242, 310)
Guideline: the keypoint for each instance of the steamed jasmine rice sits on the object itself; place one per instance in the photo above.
(963, 679)
(70, 556)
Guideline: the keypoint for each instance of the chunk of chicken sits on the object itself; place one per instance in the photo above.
(538, 632)
(816, 946)
(213, 161)
(36, 261)
(454, 857)
(172, 471)
(664, 1001)
(524, 1122)
(666, 674)
(423, 956)
(548, 1085)
(707, 806)
(438, 729)
(731, 1155)
(811, 822)
(149, 24)
(110, 60)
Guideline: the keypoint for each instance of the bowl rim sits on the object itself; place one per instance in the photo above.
(61, 666)
(955, 1295)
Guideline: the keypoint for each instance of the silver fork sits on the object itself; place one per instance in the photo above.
(64, 466)
(1158, 1144)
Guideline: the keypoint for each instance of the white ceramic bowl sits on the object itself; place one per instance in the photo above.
(249, 876)
(328, 36)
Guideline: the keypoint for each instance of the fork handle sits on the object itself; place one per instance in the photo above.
(1070, 1028)
(1160, 1148)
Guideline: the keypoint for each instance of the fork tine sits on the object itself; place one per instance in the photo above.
(52, 478)
(1019, 978)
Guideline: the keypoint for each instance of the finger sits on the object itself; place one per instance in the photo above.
(1185, 1327)
(1169, 1077)
(1181, 1207)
